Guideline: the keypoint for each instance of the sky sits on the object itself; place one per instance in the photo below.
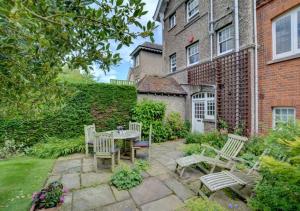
(120, 71)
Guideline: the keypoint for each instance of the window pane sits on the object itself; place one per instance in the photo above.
(299, 29)
(283, 35)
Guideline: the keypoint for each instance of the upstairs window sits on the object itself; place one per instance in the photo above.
(172, 21)
(225, 40)
(286, 34)
(137, 61)
(193, 54)
(283, 115)
(192, 9)
(173, 63)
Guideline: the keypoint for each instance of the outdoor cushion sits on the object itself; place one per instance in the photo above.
(141, 144)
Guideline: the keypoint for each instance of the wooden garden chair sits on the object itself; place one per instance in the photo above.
(142, 144)
(104, 148)
(226, 179)
(136, 126)
(223, 159)
(89, 134)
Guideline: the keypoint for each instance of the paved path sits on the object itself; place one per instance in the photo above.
(161, 189)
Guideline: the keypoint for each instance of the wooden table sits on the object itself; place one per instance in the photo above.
(125, 135)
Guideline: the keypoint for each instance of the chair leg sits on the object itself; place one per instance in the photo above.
(176, 169)
(132, 154)
(212, 169)
(119, 157)
(113, 162)
(95, 163)
(86, 150)
(149, 154)
(182, 171)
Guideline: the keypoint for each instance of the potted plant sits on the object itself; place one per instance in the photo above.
(49, 198)
(223, 127)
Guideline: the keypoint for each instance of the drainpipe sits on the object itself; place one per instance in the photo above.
(255, 69)
(237, 48)
(211, 28)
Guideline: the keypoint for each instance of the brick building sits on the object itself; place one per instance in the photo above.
(278, 33)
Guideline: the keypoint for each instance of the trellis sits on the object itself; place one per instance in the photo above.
(231, 75)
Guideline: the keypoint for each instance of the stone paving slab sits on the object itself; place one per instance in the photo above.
(151, 189)
(169, 203)
(67, 205)
(93, 178)
(92, 198)
(179, 189)
(87, 165)
(156, 169)
(67, 166)
(71, 181)
(120, 194)
(127, 205)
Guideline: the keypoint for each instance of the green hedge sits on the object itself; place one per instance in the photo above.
(105, 105)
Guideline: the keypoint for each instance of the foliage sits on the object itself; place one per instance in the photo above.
(75, 76)
(19, 178)
(190, 149)
(280, 187)
(125, 177)
(55, 148)
(105, 105)
(178, 128)
(9, 149)
(49, 197)
(223, 124)
(200, 204)
(142, 165)
(39, 37)
(215, 139)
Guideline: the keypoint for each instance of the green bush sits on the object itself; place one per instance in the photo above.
(214, 139)
(190, 149)
(106, 105)
(201, 205)
(177, 127)
(55, 148)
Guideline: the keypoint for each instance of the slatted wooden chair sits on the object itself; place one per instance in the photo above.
(136, 126)
(226, 179)
(89, 134)
(223, 159)
(104, 148)
(142, 144)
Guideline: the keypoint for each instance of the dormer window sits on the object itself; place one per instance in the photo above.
(192, 9)
(137, 61)
(172, 21)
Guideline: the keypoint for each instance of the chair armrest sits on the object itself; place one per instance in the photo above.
(210, 147)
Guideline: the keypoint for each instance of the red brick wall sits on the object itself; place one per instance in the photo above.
(279, 83)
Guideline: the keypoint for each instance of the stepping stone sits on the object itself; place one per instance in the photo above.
(151, 189)
(169, 203)
(127, 205)
(72, 156)
(71, 181)
(88, 165)
(67, 166)
(156, 169)
(92, 178)
(67, 205)
(92, 198)
(120, 194)
(179, 189)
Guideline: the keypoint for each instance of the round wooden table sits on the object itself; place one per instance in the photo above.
(125, 135)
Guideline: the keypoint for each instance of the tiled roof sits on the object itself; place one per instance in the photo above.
(148, 46)
(160, 85)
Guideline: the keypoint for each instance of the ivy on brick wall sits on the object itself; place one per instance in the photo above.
(105, 105)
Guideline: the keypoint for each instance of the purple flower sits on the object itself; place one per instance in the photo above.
(42, 196)
(236, 206)
(34, 195)
(230, 206)
(62, 199)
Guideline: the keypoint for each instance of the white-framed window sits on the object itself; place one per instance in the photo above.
(225, 40)
(208, 106)
(286, 34)
(192, 9)
(192, 52)
(172, 21)
(283, 115)
(173, 62)
(137, 60)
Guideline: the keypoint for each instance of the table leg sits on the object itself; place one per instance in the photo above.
(132, 151)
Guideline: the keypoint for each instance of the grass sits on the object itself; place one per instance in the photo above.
(19, 178)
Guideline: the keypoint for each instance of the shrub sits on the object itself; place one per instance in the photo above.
(125, 178)
(106, 105)
(201, 205)
(177, 127)
(49, 197)
(190, 149)
(9, 149)
(55, 148)
(214, 139)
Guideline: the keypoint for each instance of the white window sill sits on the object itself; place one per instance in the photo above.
(190, 65)
(283, 59)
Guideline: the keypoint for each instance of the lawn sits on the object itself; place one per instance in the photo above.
(19, 178)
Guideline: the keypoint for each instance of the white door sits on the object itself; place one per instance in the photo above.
(198, 107)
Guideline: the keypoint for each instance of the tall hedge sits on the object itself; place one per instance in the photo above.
(105, 105)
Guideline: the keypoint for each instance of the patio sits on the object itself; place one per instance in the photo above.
(161, 189)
